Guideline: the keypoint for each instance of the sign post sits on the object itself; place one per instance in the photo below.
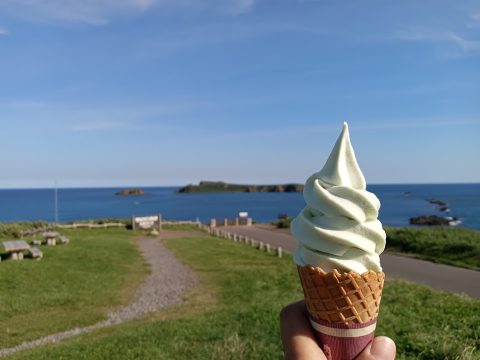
(147, 222)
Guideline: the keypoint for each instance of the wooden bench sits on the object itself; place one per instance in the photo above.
(63, 240)
(36, 253)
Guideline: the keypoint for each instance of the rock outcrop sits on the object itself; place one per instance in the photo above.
(130, 192)
(433, 220)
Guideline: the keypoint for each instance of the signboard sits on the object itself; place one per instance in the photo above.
(147, 222)
(243, 214)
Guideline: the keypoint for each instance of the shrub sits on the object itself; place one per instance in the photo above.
(15, 229)
(283, 223)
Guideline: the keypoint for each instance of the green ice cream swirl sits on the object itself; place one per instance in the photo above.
(338, 228)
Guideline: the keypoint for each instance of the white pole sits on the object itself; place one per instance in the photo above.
(56, 202)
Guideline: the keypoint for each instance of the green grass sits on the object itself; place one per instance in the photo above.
(73, 285)
(234, 315)
(180, 227)
(454, 246)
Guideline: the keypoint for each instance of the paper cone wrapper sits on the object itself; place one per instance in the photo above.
(343, 308)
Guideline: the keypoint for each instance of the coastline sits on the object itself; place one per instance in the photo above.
(98, 203)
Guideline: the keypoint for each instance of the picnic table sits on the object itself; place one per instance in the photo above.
(16, 248)
(51, 237)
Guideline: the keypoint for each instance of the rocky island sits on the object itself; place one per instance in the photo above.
(440, 206)
(130, 192)
(220, 186)
(429, 220)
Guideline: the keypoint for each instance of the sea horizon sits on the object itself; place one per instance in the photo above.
(228, 182)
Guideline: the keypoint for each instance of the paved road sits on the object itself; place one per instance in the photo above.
(442, 277)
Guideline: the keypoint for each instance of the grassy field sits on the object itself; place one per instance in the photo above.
(234, 315)
(454, 246)
(73, 285)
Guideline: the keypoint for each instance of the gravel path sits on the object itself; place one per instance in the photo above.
(165, 286)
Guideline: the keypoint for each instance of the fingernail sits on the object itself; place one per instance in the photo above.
(383, 349)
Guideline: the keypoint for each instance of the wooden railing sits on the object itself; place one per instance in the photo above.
(231, 222)
(89, 225)
(242, 239)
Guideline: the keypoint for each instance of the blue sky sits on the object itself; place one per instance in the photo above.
(169, 92)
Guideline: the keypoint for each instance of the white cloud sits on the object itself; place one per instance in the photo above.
(96, 125)
(241, 6)
(3, 31)
(441, 36)
(143, 4)
(101, 12)
(465, 44)
(474, 21)
(88, 117)
(228, 6)
(93, 12)
(332, 127)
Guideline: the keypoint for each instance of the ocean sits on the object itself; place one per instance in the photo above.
(399, 203)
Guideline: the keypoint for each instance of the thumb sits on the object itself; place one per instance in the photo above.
(381, 348)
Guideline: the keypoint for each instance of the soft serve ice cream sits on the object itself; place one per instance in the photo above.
(338, 228)
(339, 243)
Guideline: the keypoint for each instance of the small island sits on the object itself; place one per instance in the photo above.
(435, 220)
(220, 186)
(130, 192)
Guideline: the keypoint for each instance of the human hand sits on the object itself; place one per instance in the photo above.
(299, 341)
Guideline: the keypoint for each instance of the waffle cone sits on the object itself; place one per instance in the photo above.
(343, 309)
(348, 298)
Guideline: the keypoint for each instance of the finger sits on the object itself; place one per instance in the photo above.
(381, 348)
(297, 336)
